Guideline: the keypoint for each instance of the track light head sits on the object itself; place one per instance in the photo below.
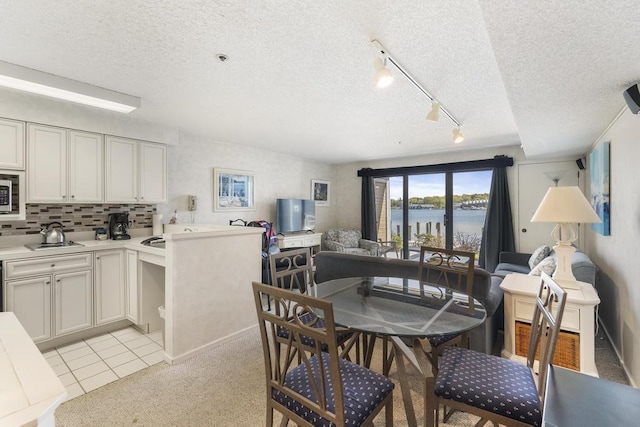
(458, 137)
(434, 114)
(383, 76)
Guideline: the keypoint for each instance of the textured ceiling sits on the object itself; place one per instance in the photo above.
(299, 79)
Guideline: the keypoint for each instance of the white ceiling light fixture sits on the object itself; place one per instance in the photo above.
(434, 114)
(29, 80)
(458, 137)
(383, 76)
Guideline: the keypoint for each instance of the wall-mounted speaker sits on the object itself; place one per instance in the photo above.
(580, 163)
(632, 97)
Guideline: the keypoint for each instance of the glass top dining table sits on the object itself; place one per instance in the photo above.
(400, 310)
(391, 306)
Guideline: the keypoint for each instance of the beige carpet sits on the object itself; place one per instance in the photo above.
(220, 387)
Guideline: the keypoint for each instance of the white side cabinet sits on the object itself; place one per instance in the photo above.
(64, 166)
(575, 347)
(12, 145)
(311, 240)
(51, 296)
(136, 172)
(109, 286)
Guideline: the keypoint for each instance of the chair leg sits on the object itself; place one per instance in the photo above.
(269, 416)
(388, 413)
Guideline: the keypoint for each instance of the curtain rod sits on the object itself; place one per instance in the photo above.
(471, 165)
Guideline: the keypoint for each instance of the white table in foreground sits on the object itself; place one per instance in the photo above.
(30, 391)
(576, 340)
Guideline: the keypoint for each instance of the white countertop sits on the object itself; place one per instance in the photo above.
(29, 388)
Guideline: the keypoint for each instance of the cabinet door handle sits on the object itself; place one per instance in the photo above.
(58, 281)
(73, 196)
(53, 265)
(64, 196)
(47, 283)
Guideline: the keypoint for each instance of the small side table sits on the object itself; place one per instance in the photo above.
(575, 346)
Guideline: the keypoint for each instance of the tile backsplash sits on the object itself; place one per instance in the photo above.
(76, 217)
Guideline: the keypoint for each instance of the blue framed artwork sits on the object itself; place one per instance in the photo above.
(599, 177)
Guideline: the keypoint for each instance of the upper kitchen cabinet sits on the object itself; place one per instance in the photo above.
(136, 172)
(64, 166)
(11, 144)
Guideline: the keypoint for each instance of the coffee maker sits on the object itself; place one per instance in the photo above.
(118, 225)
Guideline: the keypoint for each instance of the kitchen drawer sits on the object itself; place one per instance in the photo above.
(47, 265)
(291, 242)
(524, 311)
(312, 240)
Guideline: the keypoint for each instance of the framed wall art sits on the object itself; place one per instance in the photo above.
(599, 178)
(320, 192)
(233, 190)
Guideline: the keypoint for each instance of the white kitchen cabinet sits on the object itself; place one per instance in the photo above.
(73, 302)
(12, 145)
(153, 173)
(86, 170)
(132, 311)
(64, 166)
(30, 300)
(136, 172)
(47, 164)
(68, 303)
(110, 286)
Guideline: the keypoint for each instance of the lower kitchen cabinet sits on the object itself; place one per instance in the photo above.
(73, 300)
(30, 300)
(132, 311)
(110, 286)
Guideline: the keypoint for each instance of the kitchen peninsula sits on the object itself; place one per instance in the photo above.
(204, 273)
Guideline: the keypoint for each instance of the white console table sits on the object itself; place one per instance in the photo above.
(575, 347)
(310, 240)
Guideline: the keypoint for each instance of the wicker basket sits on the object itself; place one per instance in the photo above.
(567, 348)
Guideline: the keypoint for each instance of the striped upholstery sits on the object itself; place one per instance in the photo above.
(363, 391)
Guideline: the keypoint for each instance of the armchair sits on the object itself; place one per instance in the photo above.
(349, 240)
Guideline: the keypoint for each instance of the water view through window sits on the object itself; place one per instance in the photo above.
(427, 221)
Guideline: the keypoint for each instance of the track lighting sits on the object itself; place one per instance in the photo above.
(386, 78)
(458, 137)
(434, 114)
(383, 76)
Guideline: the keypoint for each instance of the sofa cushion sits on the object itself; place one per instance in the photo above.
(505, 268)
(349, 238)
(540, 253)
(548, 265)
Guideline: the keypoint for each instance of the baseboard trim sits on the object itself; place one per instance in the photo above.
(205, 347)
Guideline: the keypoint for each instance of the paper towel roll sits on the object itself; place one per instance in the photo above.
(157, 225)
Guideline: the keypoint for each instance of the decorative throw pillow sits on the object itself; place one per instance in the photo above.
(538, 255)
(548, 265)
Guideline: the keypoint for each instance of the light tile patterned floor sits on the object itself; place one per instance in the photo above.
(97, 361)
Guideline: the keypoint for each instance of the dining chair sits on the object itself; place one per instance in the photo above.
(322, 389)
(293, 269)
(452, 269)
(497, 389)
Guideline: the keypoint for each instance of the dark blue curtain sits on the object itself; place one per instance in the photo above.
(498, 234)
(368, 213)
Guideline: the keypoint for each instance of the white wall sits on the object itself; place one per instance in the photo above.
(617, 255)
(191, 164)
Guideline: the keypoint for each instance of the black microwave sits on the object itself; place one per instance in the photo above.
(5, 195)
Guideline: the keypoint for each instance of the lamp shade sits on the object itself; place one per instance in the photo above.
(565, 205)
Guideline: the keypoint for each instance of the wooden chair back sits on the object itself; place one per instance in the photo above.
(306, 343)
(292, 269)
(545, 327)
(446, 267)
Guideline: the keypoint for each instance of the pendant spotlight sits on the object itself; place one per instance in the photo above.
(384, 78)
(458, 137)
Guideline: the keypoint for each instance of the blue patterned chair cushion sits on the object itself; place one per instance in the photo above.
(363, 391)
(439, 340)
(307, 318)
(490, 383)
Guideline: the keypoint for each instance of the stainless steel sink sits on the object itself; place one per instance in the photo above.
(41, 246)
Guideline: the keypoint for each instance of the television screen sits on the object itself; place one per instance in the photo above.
(293, 215)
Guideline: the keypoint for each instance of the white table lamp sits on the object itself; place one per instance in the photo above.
(566, 206)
